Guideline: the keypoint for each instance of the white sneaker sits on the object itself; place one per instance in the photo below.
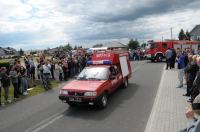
(9, 101)
(25, 93)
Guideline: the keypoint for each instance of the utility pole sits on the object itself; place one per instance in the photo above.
(171, 34)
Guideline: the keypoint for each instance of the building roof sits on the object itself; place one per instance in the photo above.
(8, 50)
(114, 45)
(195, 30)
(4, 51)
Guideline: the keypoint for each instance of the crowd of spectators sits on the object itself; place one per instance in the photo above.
(14, 75)
(188, 64)
(20, 74)
(136, 54)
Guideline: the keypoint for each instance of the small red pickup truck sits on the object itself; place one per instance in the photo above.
(103, 75)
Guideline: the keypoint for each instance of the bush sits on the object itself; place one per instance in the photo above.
(4, 63)
(15, 57)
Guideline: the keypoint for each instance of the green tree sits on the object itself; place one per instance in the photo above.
(75, 47)
(188, 36)
(182, 35)
(33, 52)
(133, 44)
(67, 47)
(21, 52)
(198, 39)
(45, 51)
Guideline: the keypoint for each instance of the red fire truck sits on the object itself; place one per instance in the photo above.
(103, 75)
(155, 50)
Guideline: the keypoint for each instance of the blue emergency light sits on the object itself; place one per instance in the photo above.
(103, 62)
(107, 62)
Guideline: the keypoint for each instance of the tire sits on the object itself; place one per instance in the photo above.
(71, 104)
(103, 101)
(159, 58)
(125, 84)
(152, 60)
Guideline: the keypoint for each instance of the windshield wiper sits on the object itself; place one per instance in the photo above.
(92, 78)
(81, 78)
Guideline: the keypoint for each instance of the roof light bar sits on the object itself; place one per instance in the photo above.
(103, 62)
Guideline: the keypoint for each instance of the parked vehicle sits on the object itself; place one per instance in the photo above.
(155, 50)
(104, 74)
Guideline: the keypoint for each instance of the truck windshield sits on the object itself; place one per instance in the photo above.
(94, 73)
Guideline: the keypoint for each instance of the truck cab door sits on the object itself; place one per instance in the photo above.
(113, 78)
(117, 78)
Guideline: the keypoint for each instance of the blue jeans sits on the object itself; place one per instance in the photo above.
(24, 85)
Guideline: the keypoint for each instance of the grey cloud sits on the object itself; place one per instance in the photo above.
(118, 22)
(114, 20)
(124, 10)
(151, 7)
(107, 31)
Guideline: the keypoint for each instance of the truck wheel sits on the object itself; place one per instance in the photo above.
(159, 58)
(72, 104)
(152, 60)
(125, 84)
(103, 100)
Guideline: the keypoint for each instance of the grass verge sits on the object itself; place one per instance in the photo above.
(34, 91)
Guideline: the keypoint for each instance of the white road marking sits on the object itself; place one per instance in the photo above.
(46, 122)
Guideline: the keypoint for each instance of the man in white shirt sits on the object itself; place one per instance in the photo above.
(46, 74)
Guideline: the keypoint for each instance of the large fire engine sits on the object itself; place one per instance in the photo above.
(104, 74)
(155, 51)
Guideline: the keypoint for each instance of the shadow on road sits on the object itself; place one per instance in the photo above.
(115, 100)
(162, 62)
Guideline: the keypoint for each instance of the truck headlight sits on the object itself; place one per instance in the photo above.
(90, 94)
(63, 92)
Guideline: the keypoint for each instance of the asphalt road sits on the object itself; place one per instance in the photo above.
(128, 109)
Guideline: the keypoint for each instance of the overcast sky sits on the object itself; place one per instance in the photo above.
(38, 24)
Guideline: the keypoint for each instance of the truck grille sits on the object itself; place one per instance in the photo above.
(76, 93)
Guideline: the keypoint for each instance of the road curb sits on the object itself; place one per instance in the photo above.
(168, 111)
(149, 122)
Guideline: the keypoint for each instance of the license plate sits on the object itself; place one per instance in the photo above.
(75, 99)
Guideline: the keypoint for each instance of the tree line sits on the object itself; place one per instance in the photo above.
(64, 48)
(184, 35)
